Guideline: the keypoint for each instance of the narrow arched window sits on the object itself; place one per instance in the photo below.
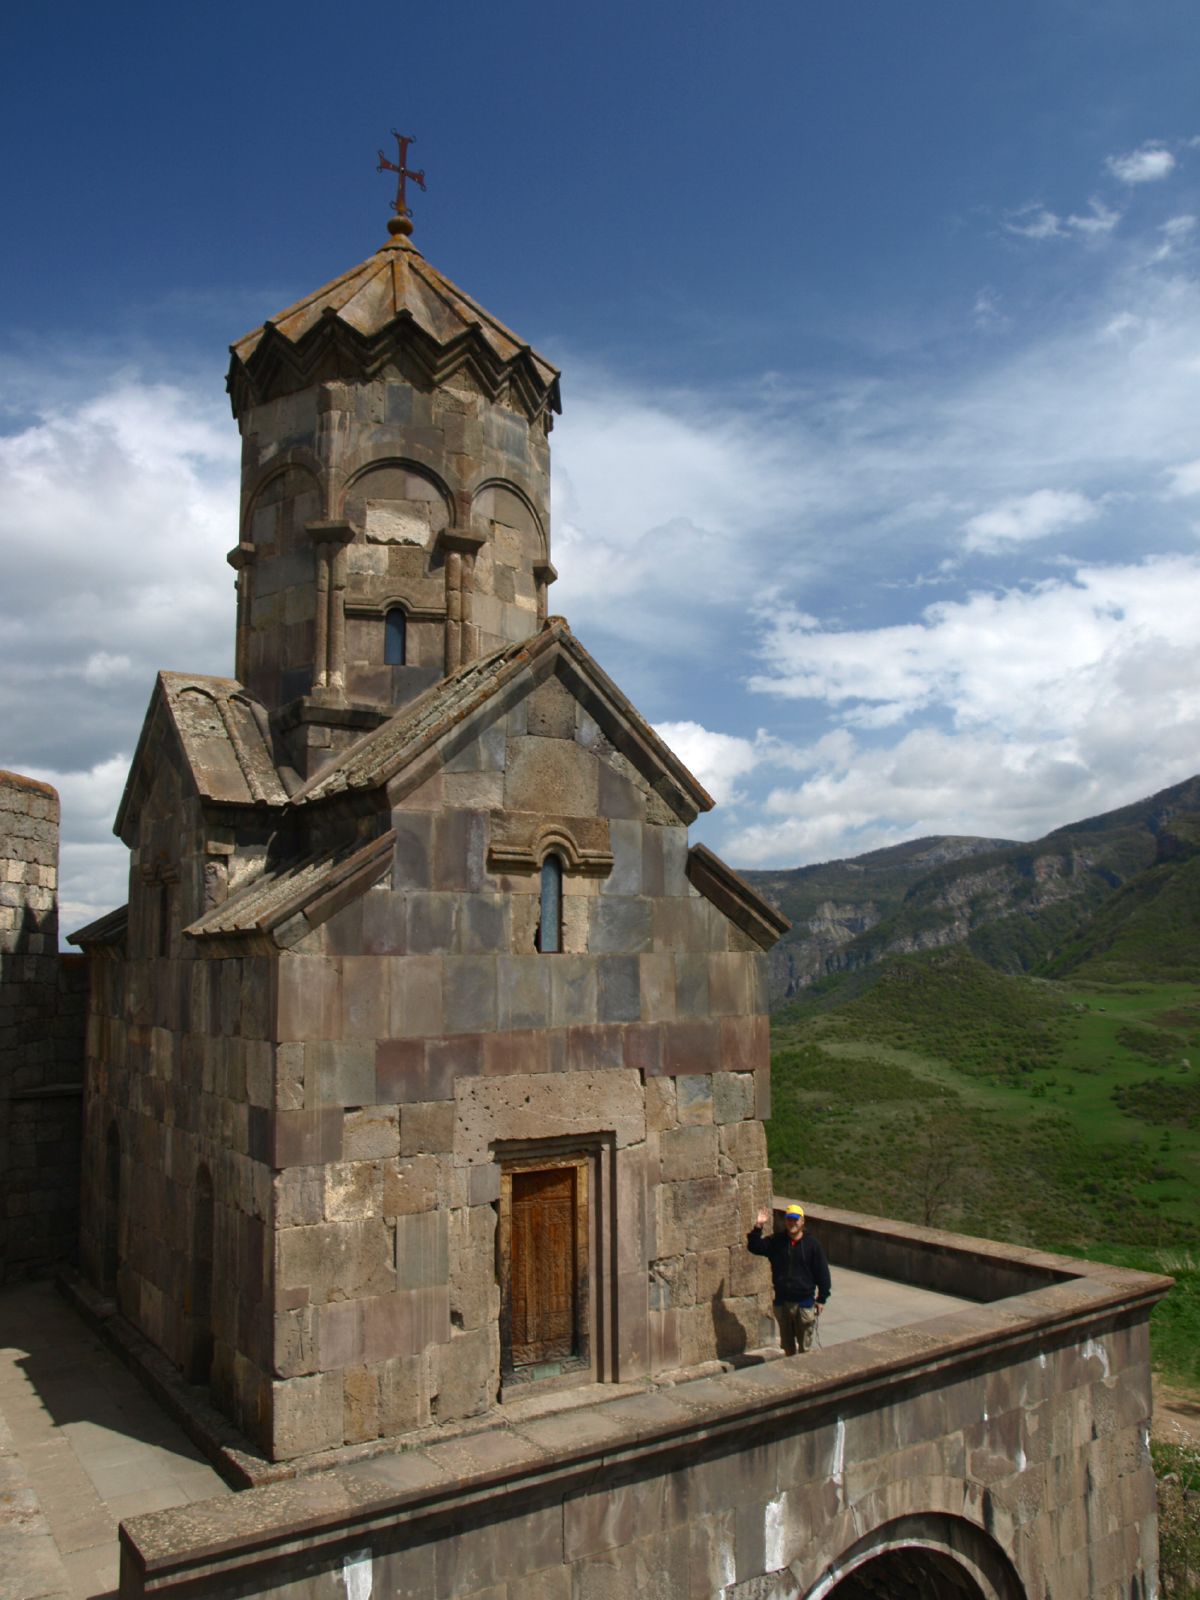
(550, 922)
(395, 638)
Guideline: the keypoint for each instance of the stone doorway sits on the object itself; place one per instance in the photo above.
(545, 1283)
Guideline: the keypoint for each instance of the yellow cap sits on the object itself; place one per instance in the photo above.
(795, 1211)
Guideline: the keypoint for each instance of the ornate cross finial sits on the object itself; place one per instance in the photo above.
(401, 223)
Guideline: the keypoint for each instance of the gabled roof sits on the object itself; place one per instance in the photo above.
(224, 737)
(354, 324)
(295, 898)
(756, 917)
(110, 929)
(406, 749)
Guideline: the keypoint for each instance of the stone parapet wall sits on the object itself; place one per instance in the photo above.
(998, 1452)
(42, 1009)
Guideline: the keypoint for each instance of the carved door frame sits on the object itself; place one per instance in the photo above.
(583, 1159)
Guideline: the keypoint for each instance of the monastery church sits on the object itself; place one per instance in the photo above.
(428, 1061)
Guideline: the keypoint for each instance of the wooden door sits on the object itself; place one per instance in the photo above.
(544, 1266)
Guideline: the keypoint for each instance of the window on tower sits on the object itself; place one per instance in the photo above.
(395, 638)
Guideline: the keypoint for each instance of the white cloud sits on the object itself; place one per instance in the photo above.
(1028, 517)
(116, 510)
(1032, 706)
(1149, 163)
(1185, 479)
(1036, 221)
(717, 759)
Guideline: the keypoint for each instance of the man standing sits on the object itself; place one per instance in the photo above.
(800, 1273)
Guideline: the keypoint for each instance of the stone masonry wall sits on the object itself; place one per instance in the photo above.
(998, 1453)
(422, 1036)
(41, 1040)
(176, 1190)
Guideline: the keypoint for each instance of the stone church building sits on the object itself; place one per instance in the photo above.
(427, 1060)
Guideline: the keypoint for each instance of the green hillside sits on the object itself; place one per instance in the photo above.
(1059, 1113)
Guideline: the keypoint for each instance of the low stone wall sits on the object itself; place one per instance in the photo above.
(972, 1269)
(999, 1451)
(43, 1004)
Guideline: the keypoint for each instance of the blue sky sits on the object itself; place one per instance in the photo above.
(878, 480)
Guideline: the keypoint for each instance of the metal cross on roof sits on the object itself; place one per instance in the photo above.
(401, 168)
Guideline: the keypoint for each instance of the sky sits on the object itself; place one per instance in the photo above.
(877, 484)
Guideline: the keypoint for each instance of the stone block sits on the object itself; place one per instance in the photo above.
(467, 1373)
(371, 1133)
(413, 856)
(554, 776)
(403, 1394)
(550, 711)
(361, 1404)
(573, 990)
(691, 985)
(336, 1260)
(384, 917)
(743, 1146)
(427, 1128)
(309, 1004)
(469, 994)
(484, 924)
(596, 1049)
(353, 1190)
(549, 1104)
(733, 1096)
(691, 1047)
(411, 1184)
(306, 1415)
(422, 1250)
(657, 986)
(366, 997)
(460, 839)
(619, 996)
(297, 1349)
(689, 1152)
(432, 926)
(341, 1072)
(694, 1101)
(416, 997)
(484, 1183)
(400, 1073)
(619, 926)
(626, 875)
(474, 1292)
(729, 984)
(306, 1138)
(642, 1048)
(661, 1109)
(524, 990)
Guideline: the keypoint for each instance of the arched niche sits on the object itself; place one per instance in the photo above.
(509, 577)
(925, 1556)
(397, 503)
(278, 509)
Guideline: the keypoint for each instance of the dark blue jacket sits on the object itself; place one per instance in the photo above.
(800, 1271)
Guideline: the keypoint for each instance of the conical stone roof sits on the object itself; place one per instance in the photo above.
(356, 324)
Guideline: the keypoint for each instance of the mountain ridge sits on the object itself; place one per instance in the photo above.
(1019, 906)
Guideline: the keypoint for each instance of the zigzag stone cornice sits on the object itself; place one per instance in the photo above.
(394, 309)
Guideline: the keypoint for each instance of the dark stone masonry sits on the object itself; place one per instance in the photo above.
(43, 1006)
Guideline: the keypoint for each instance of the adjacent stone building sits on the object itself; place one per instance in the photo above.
(427, 1060)
(42, 1006)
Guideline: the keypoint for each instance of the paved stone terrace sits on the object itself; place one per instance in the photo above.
(82, 1445)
